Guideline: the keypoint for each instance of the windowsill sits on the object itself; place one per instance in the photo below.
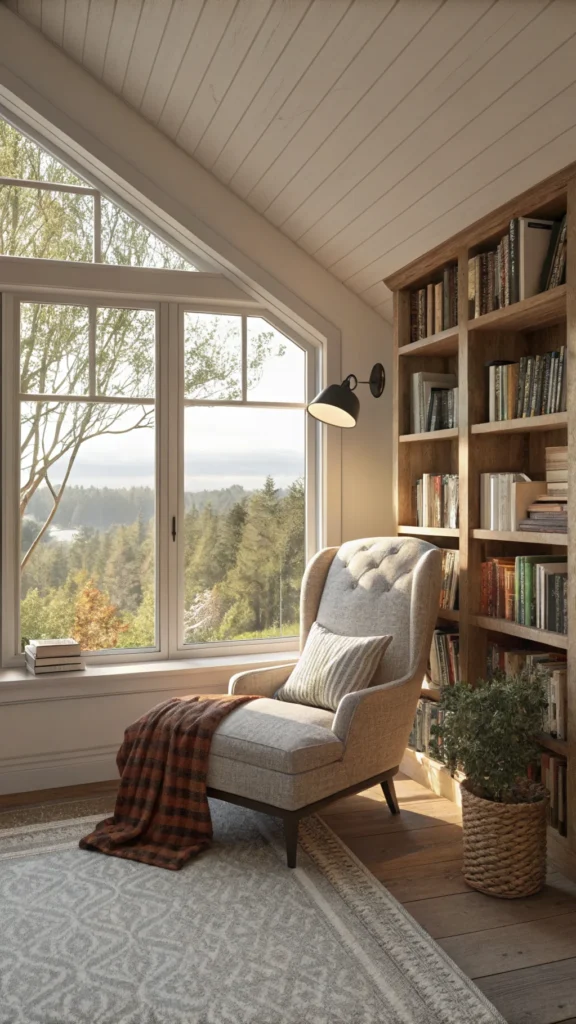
(18, 686)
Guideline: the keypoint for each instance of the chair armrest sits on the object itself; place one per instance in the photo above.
(261, 681)
(374, 724)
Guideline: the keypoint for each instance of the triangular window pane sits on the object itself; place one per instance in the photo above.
(51, 224)
(22, 158)
(127, 243)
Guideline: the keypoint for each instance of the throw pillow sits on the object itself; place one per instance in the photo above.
(332, 665)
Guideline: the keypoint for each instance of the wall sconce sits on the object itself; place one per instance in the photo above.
(338, 406)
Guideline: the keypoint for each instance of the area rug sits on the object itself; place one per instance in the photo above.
(234, 938)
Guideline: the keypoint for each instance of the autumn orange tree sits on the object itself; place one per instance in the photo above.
(97, 623)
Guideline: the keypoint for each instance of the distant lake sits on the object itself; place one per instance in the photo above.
(62, 536)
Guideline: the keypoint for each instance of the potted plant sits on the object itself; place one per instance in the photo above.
(489, 733)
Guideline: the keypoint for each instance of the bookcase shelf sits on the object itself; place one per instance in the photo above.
(428, 531)
(551, 743)
(541, 310)
(445, 343)
(551, 421)
(522, 537)
(430, 435)
(535, 326)
(539, 636)
(450, 614)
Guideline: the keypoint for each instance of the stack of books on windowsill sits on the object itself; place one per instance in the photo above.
(44, 657)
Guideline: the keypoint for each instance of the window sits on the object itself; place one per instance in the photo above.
(158, 468)
(244, 472)
(70, 220)
(87, 474)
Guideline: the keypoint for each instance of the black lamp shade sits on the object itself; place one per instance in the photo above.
(337, 405)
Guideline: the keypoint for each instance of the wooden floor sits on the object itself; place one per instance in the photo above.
(521, 953)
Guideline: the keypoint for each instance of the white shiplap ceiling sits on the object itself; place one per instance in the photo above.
(365, 130)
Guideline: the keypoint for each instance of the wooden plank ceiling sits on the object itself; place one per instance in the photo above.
(367, 131)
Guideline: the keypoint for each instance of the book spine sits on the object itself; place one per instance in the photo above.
(514, 262)
(446, 298)
(477, 286)
(413, 316)
(454, 295)
(506, 244)
(429, 310)
(438, 308)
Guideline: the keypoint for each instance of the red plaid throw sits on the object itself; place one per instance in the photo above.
(162, 815)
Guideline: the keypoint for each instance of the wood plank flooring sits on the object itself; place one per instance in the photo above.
(521, 953)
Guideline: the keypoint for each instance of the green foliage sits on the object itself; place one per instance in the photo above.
(489, 732)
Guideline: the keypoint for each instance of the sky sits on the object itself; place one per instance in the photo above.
(222, 445)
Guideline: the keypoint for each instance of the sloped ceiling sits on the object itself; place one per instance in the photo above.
(365, 130)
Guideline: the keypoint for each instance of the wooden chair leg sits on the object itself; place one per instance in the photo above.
(390, 794)
(291, 833)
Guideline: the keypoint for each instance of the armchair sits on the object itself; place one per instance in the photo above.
(290, 760)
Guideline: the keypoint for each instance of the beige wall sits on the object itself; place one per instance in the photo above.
(41, 86)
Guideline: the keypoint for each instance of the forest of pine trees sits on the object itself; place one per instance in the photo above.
(244, 559)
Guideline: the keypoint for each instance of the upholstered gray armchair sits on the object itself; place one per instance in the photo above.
(291, 759)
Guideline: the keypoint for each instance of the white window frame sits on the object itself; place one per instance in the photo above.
(170, 292)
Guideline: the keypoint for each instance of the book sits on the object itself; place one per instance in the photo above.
(434, 307)
(38, 668)
(54, 648)
(437, 500)
(438, 310)
(423, 384)
(534, 237)
(450, 573)
(504, 499)
(71, 659)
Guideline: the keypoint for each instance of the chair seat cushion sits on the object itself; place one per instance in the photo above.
(281, 737)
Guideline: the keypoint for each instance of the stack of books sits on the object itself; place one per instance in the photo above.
(421, 738)
(552, 663)
(557, 471)
(434, 401)
(450, 572)
(45, 657)
(534, 386)
(529, 259)
(444, 658)
(553, 776)
(531, 590)
(505, 499)
(437, 500)
(435, 307)
(546, 514)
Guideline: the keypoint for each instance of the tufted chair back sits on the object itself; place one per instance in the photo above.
(372, 587)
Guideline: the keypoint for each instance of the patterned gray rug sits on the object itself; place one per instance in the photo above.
(234, 938)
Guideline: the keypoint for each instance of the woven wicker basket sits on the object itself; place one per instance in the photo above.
(504, 844)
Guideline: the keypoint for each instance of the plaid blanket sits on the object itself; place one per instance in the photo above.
(162, 815)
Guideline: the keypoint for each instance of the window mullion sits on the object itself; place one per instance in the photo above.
(174, 392)
(10, 480)
(163, 499)
(244, 358)
(92, 351)
(97, 244)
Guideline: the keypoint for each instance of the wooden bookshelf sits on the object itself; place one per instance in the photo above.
(428, 531)
(429, 435)
(522, 537)
(552, 421)
(536, 325)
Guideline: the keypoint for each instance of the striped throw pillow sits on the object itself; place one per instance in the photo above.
(331, 666)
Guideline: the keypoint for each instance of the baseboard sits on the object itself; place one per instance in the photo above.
(432, 774)
(70, 768)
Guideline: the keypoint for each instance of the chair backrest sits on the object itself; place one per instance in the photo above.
(375, 586)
